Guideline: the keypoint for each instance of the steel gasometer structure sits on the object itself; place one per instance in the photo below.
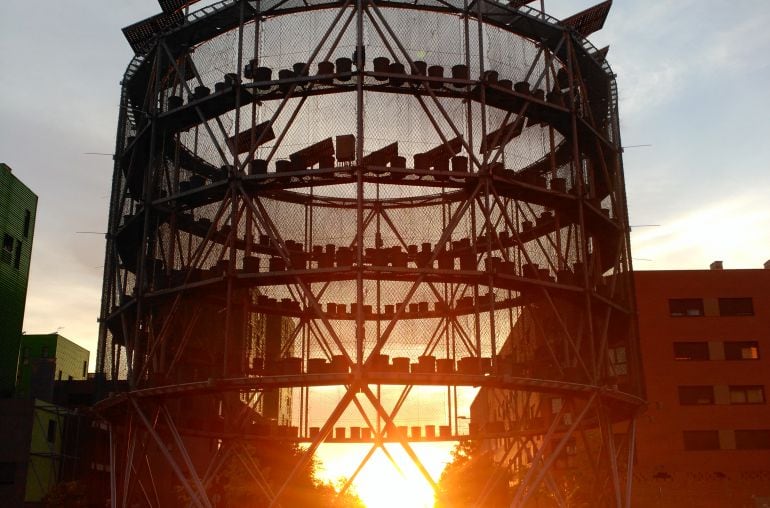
(327, 215)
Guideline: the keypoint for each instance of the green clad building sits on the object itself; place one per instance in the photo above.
(44, 359)
(18, 206)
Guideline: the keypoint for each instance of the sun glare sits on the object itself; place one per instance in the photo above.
(381, 484)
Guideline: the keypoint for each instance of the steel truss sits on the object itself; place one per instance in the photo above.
(242, 219)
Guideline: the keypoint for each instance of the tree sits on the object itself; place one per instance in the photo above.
(66, 495)
(467, 475)
(234, 486)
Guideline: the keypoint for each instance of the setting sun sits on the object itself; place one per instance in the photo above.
(380, 484)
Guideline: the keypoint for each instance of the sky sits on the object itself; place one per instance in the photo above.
(692, 82)
(693, 79)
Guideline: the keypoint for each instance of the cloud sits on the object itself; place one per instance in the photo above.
(729, 50)
(54, 109)
(649, 87)
(736, 230)
(68, 305)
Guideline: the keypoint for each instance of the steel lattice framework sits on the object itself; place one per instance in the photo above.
(322, 210)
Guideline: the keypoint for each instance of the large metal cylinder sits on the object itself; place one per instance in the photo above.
(296, 203)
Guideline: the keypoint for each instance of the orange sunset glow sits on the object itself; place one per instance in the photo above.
(381, 484)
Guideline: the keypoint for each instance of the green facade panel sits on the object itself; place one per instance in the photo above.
(18, 206)
(44, 359)
(45, 450)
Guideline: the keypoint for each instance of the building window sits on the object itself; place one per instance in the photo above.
(696, 395)
(736, 307)
(44, 352)
(684, 307)
(7, 253)
(51, 431)
(691, 351)
(747, 394)
(618, 360)
(742, 350)
(701, 440)
(85, 369)
(27, 222)
(17, 255)
(752, 439)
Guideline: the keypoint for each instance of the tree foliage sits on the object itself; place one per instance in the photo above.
(67, 495)
(470, 472)
(467, 476)
(235, 485)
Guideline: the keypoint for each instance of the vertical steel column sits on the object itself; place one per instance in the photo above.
(234, 216)
(202, 502)
(630, 459)
(578, 167)
(360, 328)
(139, 283)
(113, 468)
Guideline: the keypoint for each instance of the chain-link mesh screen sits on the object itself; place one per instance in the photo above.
(279, 210)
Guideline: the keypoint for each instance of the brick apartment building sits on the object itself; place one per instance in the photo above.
(705, 344)
(704, 439)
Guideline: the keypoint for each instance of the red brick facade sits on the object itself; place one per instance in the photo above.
(705, 343)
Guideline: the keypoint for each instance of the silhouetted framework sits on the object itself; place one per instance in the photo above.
(323, 212)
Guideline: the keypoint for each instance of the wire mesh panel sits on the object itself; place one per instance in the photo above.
(345, 213)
